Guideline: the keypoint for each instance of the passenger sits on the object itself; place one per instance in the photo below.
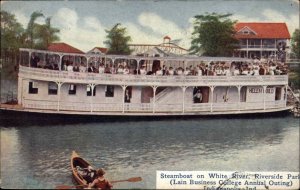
(143, 70)
(198, 97)
(82, 68)
(256, 71)
(187, 71)
(199, 71)
(170, 71)
(245, 71)
(91, 68)
(226, 71)
(126, 71)
(236, 71)
(159, 72)
(76, 68)
(101, 68)
(120, 69)
(70, 67)
(100, 182)
(179, 71)
(261, 70)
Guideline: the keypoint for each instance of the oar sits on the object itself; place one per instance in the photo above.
(133, 179)
(70, 187)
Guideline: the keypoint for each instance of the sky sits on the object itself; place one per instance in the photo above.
(82, 24)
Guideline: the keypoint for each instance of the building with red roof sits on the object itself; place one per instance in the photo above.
(63, 48)
(261, 39)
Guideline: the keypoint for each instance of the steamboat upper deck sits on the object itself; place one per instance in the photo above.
(211, 86)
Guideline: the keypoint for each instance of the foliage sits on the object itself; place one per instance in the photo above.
(117, 40)
(213, 35)
(31, 27)
(12, 32)
(45, 34)
(296, 43)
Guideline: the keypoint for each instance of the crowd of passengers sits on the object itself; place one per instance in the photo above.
(257, 67)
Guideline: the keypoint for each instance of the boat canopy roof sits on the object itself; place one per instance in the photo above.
(167, 58)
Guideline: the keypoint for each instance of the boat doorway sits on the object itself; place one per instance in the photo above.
(204, 93)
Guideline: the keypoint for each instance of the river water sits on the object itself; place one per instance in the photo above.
(37, 155)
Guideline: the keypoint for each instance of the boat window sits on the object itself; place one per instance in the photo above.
(72, 89)
(89, 91)
(109, 92)
(33, 88)
(52, 88)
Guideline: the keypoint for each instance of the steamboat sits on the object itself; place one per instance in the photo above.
(140, 85)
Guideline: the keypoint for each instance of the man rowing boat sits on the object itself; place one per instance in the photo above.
(100, 182)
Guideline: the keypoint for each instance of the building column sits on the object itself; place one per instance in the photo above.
(183, 97)
(123, 98)
(264, 93)
(153, 100)
(60, 61)
(59, 84)
(212, 97)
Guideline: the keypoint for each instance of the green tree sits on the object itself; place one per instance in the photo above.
(117, 40)
(45, 34)
(12, 36)
(296, 43)
(213, 35)
(30, 31)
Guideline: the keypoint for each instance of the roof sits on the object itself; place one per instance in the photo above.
(102, 49)
(64, 48)
(167, 37)
(262, 30)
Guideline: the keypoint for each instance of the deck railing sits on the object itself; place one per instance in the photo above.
(148, 80)
(148, 107)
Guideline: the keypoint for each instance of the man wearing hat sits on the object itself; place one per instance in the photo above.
(100, 182)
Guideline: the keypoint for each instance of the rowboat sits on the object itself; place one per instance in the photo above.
(78, 164)
(76, 161)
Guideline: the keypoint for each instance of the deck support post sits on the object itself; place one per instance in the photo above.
(212, 97)
(123, 98)
(239, 98)
(183, 97)
(60, 61)
(264, 94)
(285, 95)
(20, 90)
(247, 50)
(29, 58)
(153, 100)
(138, 66)
(92, 86)
(59, 84)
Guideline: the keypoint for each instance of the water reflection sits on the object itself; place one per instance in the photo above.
(39, 156)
